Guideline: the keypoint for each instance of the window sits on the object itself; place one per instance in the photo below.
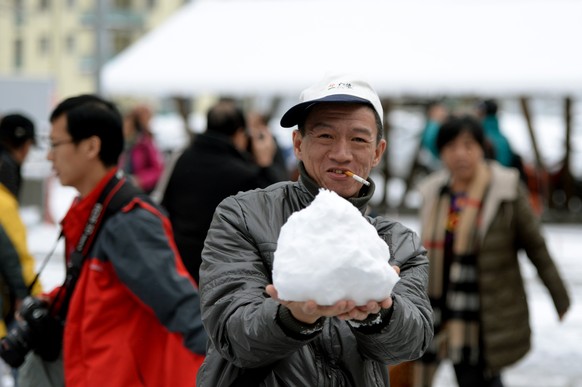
(44, 5)
(18, 13)
(123, 4)
(121, 41)
(18, 54)
(44, 46)
(70, 43)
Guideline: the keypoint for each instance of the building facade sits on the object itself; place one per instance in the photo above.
(67, 41)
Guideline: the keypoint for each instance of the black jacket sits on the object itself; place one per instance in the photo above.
(208, 171)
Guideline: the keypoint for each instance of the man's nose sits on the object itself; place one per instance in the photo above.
(341, 150)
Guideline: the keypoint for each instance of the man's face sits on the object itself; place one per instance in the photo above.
(339, 137)
(69, 159)
(461, 156)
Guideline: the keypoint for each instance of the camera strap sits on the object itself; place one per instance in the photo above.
(44, 263)
(116, 194)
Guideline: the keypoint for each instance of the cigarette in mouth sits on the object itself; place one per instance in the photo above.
(356, 177)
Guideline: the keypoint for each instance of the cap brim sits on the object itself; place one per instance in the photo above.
(296, 114)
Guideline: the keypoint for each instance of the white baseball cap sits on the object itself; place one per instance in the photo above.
(341, 88)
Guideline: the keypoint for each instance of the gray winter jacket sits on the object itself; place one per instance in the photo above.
(252, 340)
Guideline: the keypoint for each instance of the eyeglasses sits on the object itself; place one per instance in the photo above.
(55, 144)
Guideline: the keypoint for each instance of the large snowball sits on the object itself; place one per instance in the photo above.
(328, 252)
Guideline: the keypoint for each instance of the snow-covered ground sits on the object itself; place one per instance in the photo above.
(556, 356)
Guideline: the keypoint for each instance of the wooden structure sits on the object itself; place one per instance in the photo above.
(555, 196)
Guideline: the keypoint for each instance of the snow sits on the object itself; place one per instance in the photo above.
(328, 252)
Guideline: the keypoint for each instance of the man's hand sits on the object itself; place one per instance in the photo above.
(372, 307)
(309, 311)
(17, 305)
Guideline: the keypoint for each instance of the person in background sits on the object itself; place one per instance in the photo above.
(17, 136)
(10, 274)
(497, 145)
(12, 286)
(141, 158)
(131, 311)
(500, 147)
(217, 164)
(475, 217)
(436, 112)
(258, 127)
(258, 339)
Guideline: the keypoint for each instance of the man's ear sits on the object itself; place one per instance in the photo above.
(93, 147)
(297, 140)
(380, 148)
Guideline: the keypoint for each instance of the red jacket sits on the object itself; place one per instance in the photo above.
(134, 317)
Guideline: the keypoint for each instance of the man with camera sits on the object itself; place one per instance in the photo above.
(128, 309)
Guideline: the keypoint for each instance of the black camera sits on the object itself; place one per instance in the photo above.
(39, 331)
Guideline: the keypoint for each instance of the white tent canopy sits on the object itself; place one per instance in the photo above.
(417, 48)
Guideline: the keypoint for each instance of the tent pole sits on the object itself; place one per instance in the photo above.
(385, 170)
(566, 177)
(184, 107)
(524, 102)
(414, 166)
(540, 170)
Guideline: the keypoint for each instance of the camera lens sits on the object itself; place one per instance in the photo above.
(15, 346)
(38, 314)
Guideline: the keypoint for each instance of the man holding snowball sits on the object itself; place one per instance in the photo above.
(260, 336)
